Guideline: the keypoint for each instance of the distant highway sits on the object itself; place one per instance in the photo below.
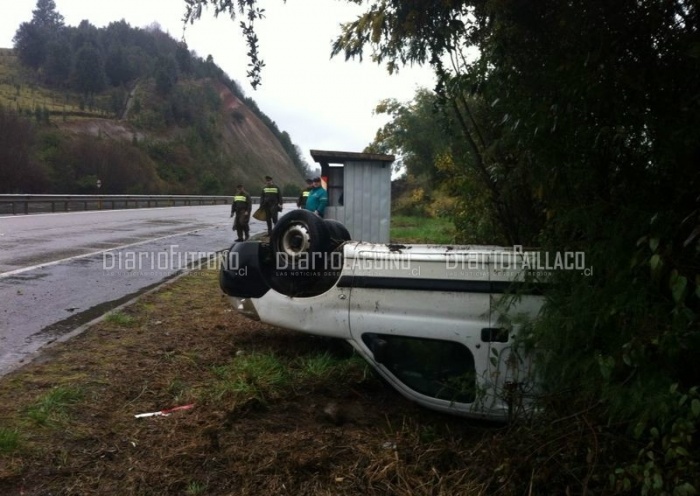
(60, 270)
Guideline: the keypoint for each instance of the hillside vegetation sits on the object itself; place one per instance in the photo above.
(133, 108)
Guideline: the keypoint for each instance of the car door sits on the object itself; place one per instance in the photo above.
(417, 315)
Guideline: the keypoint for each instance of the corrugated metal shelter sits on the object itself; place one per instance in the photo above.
(359, 192)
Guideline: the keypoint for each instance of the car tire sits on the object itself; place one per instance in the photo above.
(337, 232)
(329, 276)
(299, 232)
(299, 242)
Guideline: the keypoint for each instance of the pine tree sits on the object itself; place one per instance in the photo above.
(32, 38)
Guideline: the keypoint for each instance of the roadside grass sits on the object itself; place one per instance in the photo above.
(266, 376)
(120, 319)
(421, 230)
(275, 411)
(194, 488)
(325, 366)
(259, 376)
(52, 408)
(9, 440)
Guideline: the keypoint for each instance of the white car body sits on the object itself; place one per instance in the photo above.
(431, 320)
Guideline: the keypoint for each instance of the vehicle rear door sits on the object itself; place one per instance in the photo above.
(417, 315)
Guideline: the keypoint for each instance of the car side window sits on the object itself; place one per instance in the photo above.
(433, 367)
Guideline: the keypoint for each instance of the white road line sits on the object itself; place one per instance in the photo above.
(85, 255)
(24, 216)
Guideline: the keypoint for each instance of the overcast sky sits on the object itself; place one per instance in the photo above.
(322, 103)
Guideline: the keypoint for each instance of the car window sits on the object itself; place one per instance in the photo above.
(436, 368)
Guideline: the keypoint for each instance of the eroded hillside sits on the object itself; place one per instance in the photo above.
(197, 137)
(247, 145)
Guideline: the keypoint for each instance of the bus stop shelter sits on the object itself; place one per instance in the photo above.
(359, 192)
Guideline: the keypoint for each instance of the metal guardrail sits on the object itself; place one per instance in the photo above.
(17, 203)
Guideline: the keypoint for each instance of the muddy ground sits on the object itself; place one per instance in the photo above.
(274, 412)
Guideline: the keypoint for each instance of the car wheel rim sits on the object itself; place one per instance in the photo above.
(296, 240)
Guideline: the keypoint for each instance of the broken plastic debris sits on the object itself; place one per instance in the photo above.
(165, 413)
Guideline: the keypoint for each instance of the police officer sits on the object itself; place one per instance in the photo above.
(301, 202)
(241, 206)
(271, 201)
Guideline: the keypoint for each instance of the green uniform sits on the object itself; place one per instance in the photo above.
(241, 207)
(271, 201)
(301, 202)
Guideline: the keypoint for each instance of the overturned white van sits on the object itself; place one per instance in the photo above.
(432, 320)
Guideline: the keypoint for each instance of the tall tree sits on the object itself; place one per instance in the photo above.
(166, 74)
(417, 132)
(117, 67)
(32, 38)
(183, 58)
(58, 62)
(30, 42)
(88, 73)
(46, 16)
(85, 34)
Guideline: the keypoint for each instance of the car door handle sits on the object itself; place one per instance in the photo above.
(494, 335)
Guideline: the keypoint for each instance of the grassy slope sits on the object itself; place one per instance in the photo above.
(17, 91)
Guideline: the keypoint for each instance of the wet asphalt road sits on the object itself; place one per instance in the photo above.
(58, 271)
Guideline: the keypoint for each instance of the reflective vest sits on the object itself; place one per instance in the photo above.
(240, 203)
(270, 196)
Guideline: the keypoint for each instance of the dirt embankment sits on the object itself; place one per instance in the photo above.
(247, 138)
(107, 128)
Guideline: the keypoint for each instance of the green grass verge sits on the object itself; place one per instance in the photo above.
(423, 230)
(9, 440)
(52, 407)
(120, 319)
(265, 375)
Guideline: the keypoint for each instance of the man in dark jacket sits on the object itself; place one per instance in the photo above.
(301, 202)
(271, 201)
(241, 206)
